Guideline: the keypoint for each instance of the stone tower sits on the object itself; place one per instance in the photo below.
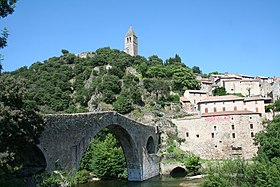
(131, 43)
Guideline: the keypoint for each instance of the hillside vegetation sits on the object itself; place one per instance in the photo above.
(106, 79)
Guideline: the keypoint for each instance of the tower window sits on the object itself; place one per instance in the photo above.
(235, 108)
(212, 135)
(233, 135)
(252, 134)
(224, 108)
(206, 110)
(215, 128)
(251, 126)
(215, 109)
(232, 127)
(197, 135)
(187, 134)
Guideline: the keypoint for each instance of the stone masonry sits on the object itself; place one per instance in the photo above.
(66, 138)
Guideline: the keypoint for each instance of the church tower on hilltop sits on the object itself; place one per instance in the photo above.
(131, 43)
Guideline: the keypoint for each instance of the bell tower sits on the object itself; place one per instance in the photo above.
(131, 43)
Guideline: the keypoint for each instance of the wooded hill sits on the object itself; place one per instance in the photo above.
(107, 79)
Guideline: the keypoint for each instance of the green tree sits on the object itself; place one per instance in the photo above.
(123, 105)
(6, 8)
(20, 123)
(219, 91)
(105, 157)
(276, 105)
(196, 70)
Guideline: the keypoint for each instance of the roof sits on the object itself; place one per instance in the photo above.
(184, 99)
(237, 112)
(247, 76)
(130, 32)
(253, 98)
(196, 91)
(243, 80)
(221, 98)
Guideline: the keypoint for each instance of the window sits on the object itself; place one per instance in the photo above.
(235, 108)
(233, 101)
(250, 117)
(212, 135)
(244, 103)
(194, 109)
(215, 109)
(233, 135)
(194, 101)
(245, 108)
(215, 128)
(197, 135)
(224, 108)
(232, 127)
(206, 110)
(252, 134)
(256, 102)
(251, 126)
(257, 109)
(187, 134)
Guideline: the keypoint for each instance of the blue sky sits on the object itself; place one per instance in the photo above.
(235, 36)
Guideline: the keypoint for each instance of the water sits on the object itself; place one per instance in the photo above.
(160, 181)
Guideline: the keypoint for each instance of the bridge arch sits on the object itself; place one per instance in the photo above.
(66, 138)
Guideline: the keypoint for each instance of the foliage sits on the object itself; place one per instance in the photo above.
(11, 182)
(276, 105)
(192, 164)
(105, 157)
(269, 141)
(83, 176)
(6, 8)
(196, 70)
(56, 179)
(67, 83)
(219, 91)
(19, 122)
(123, 105)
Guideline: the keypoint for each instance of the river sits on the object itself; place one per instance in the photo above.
(160, 181)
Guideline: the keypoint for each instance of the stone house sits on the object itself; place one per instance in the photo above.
(221, 135)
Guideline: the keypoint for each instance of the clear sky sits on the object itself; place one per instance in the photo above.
(235, 36)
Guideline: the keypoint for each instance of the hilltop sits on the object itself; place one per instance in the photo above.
(107, 79)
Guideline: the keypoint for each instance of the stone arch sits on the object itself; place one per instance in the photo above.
(130, 151)
(66, 138)
(150, 146)
(34, 163)
(178, 172)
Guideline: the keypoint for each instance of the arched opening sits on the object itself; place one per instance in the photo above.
(150, 145)
(178, 172)
(34, 163)
(112, 155)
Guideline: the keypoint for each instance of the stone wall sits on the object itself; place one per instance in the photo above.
(220, 137)
(66, 138)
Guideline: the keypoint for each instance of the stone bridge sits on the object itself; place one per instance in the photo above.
(66, 138)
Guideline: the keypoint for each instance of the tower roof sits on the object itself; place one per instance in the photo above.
(130, 32)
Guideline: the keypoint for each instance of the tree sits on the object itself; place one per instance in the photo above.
(6, 8)
(219, 91)
(123, 105)
(196, 70)
(105, 157)
(20, 125)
